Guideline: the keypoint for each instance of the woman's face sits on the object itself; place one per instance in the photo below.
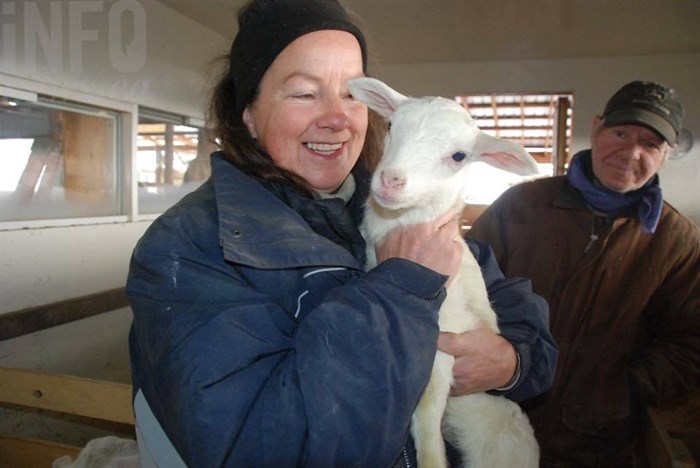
(304, 116)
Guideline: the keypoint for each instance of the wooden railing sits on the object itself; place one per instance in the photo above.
(25, 321)
(93, 402)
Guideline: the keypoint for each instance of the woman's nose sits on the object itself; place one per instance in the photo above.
(334, 115)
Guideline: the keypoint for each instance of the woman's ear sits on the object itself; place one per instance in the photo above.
(249, 122)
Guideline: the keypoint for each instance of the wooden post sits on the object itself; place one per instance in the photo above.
(559, 152)
(88, 148)
(169, 154)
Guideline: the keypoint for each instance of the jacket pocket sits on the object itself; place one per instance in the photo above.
(596, 421)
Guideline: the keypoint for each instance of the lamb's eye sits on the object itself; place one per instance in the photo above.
(388, 126)
(459, 156)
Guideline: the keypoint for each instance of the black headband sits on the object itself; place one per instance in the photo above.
(269, 26)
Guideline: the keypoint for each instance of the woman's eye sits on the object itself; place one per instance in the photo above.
(459, 156)
(303, 96)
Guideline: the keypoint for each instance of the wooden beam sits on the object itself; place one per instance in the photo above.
(32, 453)
(90, 398)
(93, 402)
(25, 321)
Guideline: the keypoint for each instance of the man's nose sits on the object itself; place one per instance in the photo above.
(633, 150)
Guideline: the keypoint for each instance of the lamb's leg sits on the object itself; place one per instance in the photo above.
(490, 431)
(426, 422)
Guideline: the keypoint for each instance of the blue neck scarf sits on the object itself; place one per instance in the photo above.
(648, 200)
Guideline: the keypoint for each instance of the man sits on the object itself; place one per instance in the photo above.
(620, 268)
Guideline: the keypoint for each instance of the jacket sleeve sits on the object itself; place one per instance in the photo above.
(488, 227)
(235, 381)
(669, 367)
(523, 319)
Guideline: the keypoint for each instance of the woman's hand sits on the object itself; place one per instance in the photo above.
(484, 360)
(435, 244)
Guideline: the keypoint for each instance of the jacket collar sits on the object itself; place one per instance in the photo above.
(568, 197)
(257, 229)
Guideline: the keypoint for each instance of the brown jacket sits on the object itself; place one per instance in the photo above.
(624, 309)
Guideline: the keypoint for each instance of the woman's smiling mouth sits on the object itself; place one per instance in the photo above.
(325, 149)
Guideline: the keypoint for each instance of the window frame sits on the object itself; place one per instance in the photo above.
(510, 100)
(21, 88)
(165, 117)
(536, 120)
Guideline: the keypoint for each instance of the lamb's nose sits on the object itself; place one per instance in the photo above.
(392, 179)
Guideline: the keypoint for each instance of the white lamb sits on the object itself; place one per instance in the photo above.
(421, 175)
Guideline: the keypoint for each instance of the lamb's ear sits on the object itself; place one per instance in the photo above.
(376, 94)
(504, 155)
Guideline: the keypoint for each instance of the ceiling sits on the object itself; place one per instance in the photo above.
(415, 31)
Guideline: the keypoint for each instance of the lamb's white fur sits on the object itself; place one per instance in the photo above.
(417, 179)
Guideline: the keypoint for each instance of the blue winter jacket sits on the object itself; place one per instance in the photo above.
(257, 341)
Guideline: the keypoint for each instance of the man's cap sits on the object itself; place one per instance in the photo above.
(646, 103)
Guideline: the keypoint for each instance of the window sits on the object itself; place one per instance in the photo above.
(67, 157)
(541, 123)
(172, 159)
(58, 159)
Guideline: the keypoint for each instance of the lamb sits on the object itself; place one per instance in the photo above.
(422, 174)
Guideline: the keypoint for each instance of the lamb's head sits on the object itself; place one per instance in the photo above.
(430, 142)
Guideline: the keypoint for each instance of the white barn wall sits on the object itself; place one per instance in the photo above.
(40, 266)
(178, 52)
(43, 265)
(592, 80)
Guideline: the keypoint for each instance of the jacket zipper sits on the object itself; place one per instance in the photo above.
(603, 227)
(406, 460)
(597, 225)
(590, 243)
(556, 393)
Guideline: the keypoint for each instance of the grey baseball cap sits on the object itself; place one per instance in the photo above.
(646, 103)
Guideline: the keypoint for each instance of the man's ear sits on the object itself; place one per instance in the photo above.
(669, 151)
(249, 122)
(597, 122)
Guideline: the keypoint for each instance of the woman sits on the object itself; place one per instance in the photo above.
(258, 339)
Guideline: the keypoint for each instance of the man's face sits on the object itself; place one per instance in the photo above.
(625, 157)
